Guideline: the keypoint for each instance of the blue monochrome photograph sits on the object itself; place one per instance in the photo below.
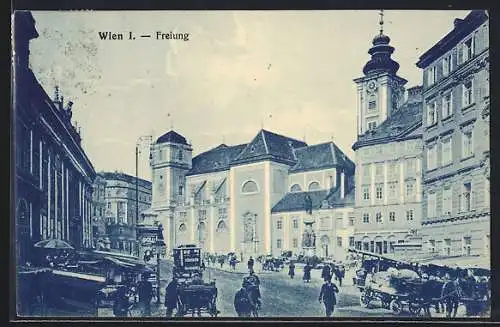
(172, 165)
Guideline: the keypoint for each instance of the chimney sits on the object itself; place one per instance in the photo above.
(457, 22)
(415, 94)
(342, 185)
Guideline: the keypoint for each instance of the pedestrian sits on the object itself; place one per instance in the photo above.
(242, 303)
(145, 292)
(327, 295)
(307, 273)
(339, 274)
(202, 266)
(221, 261)
(171, 292)
(326, 272)
(291, 270)
(450, 296)
(121, 303)
(250, 263)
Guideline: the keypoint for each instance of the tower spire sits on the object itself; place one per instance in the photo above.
(381, 22)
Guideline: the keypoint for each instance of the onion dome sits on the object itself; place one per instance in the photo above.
(172, 137)
(381, 51)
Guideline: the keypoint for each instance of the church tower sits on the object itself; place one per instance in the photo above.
(170, 160)
(380, 91)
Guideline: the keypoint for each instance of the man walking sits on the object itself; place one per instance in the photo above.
(328, 296)
(291, 270)
(145, 292)
(171, 297)
(250, 264)
(326, 272)
(307, 273)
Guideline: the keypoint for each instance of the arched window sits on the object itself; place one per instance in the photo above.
(180, 155)
(182, 228)
(202, 232)
(249, 187)
(221, 227)
(295, 188)
(314, 186)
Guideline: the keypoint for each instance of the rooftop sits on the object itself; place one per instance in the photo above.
(321, 156)
(397, 126)
(123, 177)
(172, 137)
(216, 159)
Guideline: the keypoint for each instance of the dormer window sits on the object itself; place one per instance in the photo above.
(252, 148)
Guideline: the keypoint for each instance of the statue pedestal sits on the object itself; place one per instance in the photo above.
(309, 251)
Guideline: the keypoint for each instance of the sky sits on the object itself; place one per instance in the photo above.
(290, 72)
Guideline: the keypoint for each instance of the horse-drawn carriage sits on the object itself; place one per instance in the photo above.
(396, 289)
(194, 294)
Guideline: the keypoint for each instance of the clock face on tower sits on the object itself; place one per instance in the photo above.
(371, 85)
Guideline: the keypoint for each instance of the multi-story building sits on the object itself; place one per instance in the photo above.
(332, 218)
(388, 154)
(222, 199)
(53, 176)
(100, 239)
(117, 209)
(456, 187)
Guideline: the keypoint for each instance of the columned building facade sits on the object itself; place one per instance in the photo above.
(53, 176)
(119, 213)
(456, 187)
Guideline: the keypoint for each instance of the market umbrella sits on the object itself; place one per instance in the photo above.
(53, 244)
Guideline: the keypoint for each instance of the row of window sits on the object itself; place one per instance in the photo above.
(202, 214)
(313, 186)
(466, 200)
(179, 156)
(465, 52)
(202, 231)
(393, 169)
(392, 217)
(295, 242)
(392, 187)
(379, 247)
(447, 104)
(447, 150)
(279, 224)
(444, 247)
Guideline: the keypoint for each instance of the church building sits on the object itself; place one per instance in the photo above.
(244, 198)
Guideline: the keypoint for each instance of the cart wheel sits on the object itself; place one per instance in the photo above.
(414, 308)
(364, 300)
(396, 306)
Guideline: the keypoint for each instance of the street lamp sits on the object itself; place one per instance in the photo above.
(141, 142)
(255, 241)
(160, 248)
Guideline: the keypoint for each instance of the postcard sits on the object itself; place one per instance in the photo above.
(249, 164)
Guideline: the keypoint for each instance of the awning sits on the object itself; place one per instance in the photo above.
(463, 262)
(95, 278)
